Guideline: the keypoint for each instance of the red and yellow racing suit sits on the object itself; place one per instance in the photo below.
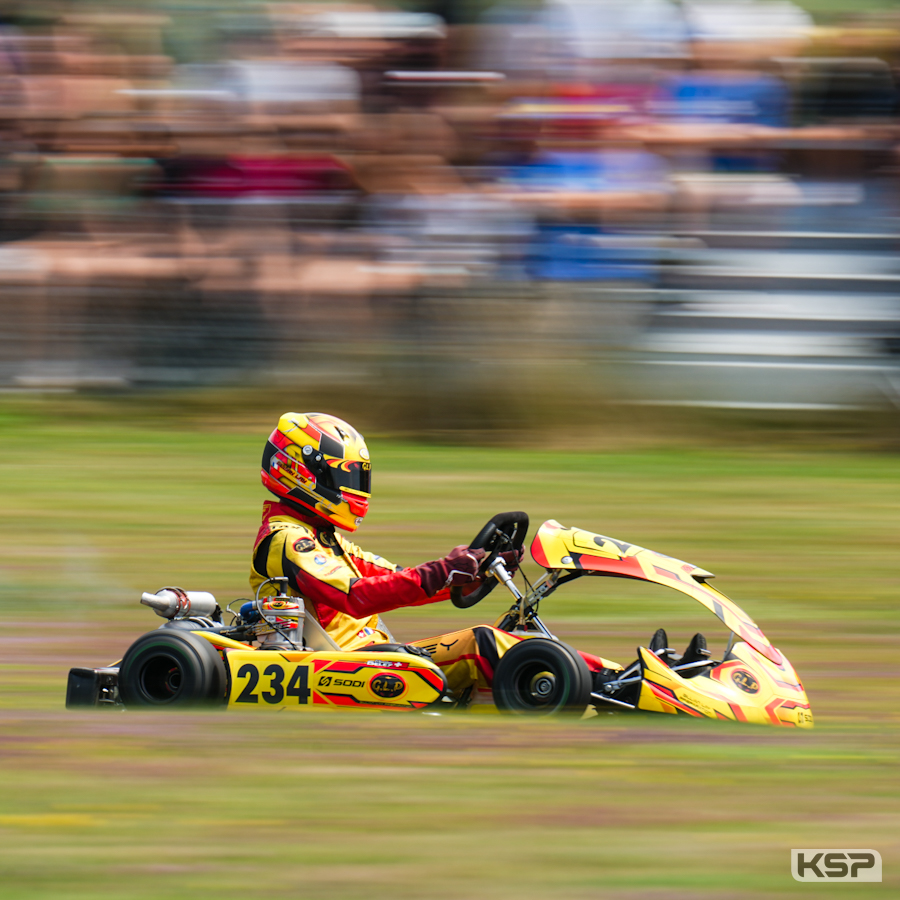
(345, 589)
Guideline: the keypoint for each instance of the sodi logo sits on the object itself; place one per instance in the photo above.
(825, 866)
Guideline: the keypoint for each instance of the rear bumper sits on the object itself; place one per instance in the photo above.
(92, 687)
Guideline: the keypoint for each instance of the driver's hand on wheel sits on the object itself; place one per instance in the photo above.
(512, 559)
(459, 567)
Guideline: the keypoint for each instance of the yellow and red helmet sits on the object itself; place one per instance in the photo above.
(322, 464)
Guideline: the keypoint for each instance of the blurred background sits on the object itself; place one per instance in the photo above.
(628, 264)
(655, 202)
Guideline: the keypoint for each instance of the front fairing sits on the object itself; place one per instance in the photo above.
(745, 687)
(557, 547)
(754, 683)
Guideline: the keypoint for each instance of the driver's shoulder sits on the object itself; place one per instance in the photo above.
(357, 552)
(288, 531)
(277, 518)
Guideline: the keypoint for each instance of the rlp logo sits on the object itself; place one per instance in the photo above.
(836, 865)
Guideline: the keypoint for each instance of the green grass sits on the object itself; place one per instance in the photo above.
(842, 10)
(239, 806)
(129, 805)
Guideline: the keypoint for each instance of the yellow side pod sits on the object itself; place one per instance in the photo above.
(294, 679)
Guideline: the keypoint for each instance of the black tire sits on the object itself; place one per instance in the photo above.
(543, 677)
(172, 669)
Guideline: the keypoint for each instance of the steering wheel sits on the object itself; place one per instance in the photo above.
(506, 531)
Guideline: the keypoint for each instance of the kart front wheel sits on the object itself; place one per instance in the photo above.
(171, 669)
(542, 676)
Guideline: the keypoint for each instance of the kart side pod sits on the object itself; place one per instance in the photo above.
(179, 669)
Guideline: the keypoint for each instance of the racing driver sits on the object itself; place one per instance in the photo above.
(318, 468)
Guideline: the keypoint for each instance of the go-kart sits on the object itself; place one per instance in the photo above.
(274, 656)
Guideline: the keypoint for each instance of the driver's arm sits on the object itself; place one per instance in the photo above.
(337, 584)
(458, 567)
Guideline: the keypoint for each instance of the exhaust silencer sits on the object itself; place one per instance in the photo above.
(174, 603)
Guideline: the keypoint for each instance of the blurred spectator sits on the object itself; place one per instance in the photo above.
(186, 196)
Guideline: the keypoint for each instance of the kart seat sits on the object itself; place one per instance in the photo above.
(659, 644)
(694, 659)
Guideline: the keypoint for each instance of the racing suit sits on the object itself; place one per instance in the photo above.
(345, 589)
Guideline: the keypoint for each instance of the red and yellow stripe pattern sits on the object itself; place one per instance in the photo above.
(558, 547)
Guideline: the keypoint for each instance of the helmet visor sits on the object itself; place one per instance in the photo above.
(353, 475)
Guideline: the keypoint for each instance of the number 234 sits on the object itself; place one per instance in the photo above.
(297, 686)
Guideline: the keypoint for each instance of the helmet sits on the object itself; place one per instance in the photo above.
(322, 464)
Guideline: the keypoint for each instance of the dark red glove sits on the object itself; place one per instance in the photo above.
(459, 566)
(512, 559)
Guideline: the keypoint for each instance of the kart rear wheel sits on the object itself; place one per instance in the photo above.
(171, 669)
(543, 677)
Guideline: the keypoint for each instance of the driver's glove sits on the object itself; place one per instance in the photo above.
(458, 567)
(512, 559)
